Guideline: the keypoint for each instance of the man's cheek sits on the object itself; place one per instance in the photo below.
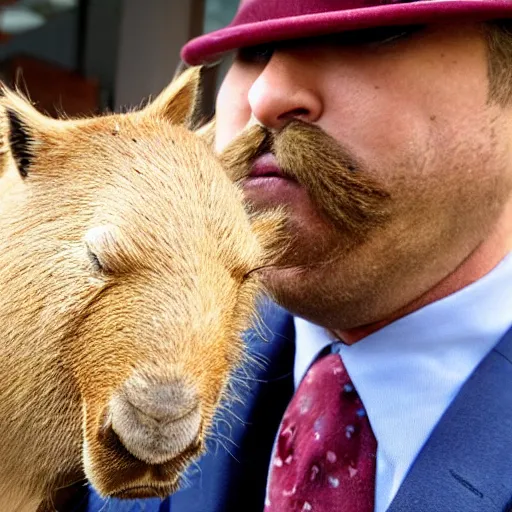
(231, 117)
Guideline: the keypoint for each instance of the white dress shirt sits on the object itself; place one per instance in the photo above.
(408, 373)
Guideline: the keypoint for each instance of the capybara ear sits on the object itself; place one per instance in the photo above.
(23, 128)
(177, 101)
(20, 141)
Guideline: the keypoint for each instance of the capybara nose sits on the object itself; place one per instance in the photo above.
(156, 422)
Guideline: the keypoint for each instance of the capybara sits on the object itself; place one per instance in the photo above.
(127, 277)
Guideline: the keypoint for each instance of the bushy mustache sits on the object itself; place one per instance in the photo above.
(336, 181)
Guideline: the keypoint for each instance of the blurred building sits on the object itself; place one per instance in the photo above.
(82, 56)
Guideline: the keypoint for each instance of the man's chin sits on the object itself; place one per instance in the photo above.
(289, 286)
(294, 291)
(309, 288)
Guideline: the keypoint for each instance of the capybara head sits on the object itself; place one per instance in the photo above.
(126, 278)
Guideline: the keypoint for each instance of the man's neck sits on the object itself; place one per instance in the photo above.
(478, 264)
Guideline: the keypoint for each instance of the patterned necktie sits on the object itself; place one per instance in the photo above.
(325, 454)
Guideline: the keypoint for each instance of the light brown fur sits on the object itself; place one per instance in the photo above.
(162, 317)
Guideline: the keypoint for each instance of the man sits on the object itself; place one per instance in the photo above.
(387, 139)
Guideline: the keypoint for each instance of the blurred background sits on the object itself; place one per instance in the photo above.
(86, 56)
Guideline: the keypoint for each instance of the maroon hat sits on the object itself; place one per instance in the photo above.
(263, 21)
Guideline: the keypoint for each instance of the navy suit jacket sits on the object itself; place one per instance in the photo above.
(466, 465)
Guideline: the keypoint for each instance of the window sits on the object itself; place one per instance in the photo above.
(218, 13)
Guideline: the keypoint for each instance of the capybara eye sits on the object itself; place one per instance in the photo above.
(100, 241)
(95, 261)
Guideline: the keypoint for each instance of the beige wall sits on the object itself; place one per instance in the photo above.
(151, 35)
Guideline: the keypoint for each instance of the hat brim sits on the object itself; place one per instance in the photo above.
(211, 47)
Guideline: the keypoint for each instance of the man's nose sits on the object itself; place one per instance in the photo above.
(286, 89)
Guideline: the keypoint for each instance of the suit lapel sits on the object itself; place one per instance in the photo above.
(466, 464)
(235, 481)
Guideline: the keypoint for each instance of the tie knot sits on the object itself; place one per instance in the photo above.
(327, 368)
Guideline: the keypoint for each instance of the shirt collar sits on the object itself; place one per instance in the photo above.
(408, 372)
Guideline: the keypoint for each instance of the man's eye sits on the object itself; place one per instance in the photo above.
(376, 36)
(256, 54)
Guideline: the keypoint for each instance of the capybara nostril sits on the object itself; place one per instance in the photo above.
(156, 422)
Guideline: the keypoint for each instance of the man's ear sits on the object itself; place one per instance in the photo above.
(23, 129)
(177, 101)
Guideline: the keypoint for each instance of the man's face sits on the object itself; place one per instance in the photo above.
(411, 106)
